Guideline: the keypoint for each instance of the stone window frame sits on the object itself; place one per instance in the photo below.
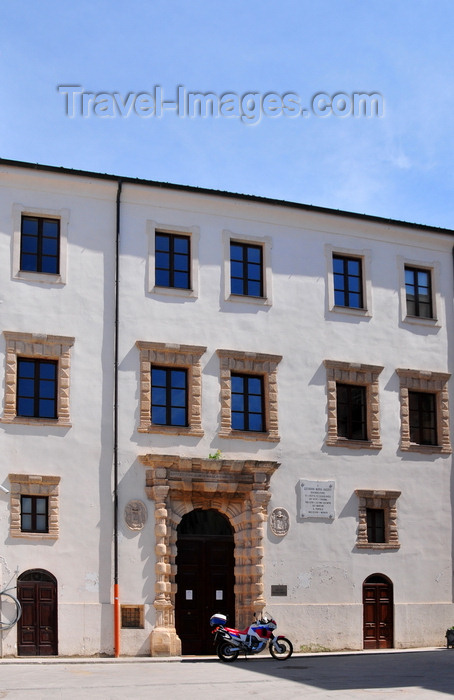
(34, 485)
(433, 383)
(386, 501)
(20, 210)
(265, 242)
(437, 302)
(37, 346)
(365, 255)
(360, 375)
(250, 363)
(178, 357)
(193, 233)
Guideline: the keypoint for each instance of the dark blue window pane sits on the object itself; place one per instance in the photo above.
(181, 263)
(162, 242)
(338, 265)
(236, 252)
(29, 244)
(237, 383)
(158, 415)
(47, 370)
(26, 504)
(254, 255)
(254, 289)
(50, 246)
(254, 272)
(255, 385)
(178, 397)
(49, 265)
(51, 229)
(162, 260)
(237, 402)
(46, 408)
(158, 377)
(178, 378)
(30, 226)
(237, 286)
(159, 396)
(339, 282)
(178, 416)
(162, 278)
(47, 390)
(255, 404)
(353, 267)
(41, 523)
(25, 407)
(238, 421)
(354, 284)
(26, 387)
(181, 280)
(236, 269)
(255, 422)
(181, 245)
(28, 262)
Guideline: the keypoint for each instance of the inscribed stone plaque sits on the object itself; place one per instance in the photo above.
(135, 515)
(317, 499)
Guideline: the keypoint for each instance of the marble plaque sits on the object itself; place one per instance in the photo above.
(317, 499)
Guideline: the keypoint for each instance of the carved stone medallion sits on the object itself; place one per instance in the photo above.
(135, 515)
(279, 522)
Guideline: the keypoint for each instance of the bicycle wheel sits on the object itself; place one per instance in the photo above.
(10, 611)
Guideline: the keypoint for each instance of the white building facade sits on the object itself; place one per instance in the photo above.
(220, 403)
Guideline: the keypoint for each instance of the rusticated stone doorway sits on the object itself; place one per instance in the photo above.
(238, 489)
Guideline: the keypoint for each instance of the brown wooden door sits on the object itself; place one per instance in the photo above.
(205, 585)
(378, 613)
(37, 627)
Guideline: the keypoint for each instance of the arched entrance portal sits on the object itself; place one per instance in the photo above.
(378, 612)
(239, 490)
(205, 577)
(37, 627)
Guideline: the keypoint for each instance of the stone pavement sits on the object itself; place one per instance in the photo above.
(420, 674)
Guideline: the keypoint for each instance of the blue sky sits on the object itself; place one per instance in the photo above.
(398, 165)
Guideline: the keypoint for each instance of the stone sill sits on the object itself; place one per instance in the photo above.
(35, 535)
(170, 430)
(377, 545)
(249, 435)
(19, 420)
(426, 449)
(355, 444)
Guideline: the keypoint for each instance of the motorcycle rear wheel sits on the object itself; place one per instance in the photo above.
(283, 649)
(227, 652)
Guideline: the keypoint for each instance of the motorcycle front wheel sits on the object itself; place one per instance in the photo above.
(283, 649)
(227, 652)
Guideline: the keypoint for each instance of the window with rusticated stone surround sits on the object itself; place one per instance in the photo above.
(34, 485)
(251, 364)
(418, 382)
(37, 347)
(385, 501)
(354, 374)
(171, 356)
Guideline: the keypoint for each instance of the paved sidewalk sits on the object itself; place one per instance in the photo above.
(417, 674)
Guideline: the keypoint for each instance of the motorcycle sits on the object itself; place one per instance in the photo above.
(231, 642)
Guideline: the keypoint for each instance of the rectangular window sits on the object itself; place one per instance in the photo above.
(247, 403)
(40, 245)
(423, 418)
(348, 282)
(169, 396)
(132, 616)
(418, 289)
(37, 388)
(34, 514)
(375, 525)
(172, 260)
(246, 269)
(351, 411)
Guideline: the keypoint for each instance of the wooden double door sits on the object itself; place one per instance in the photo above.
(37, 628)
(205, 578)
(378, 611)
